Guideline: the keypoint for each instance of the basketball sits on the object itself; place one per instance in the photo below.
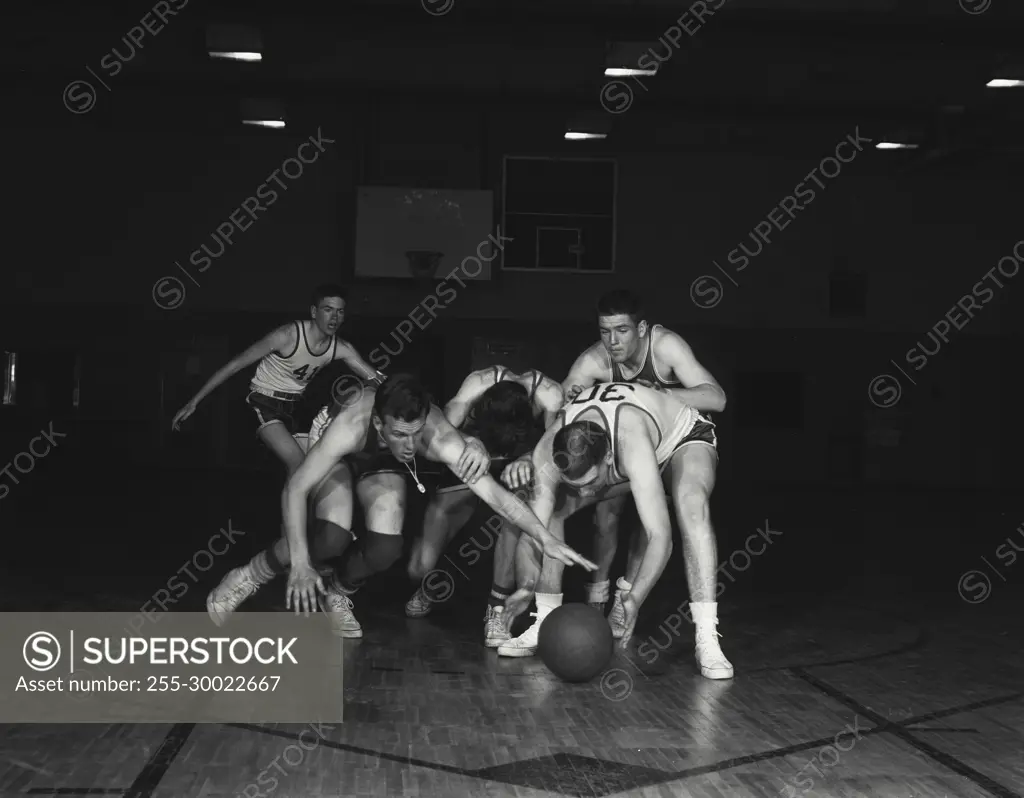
(575, 642)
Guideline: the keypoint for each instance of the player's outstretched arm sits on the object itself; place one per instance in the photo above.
(362, 369)
(471, 389)
(530, 553)
(701, 391)
(639, 464)
(551, 398)
(343, 436)
(281, 340)
(585, 372)
(447, 446)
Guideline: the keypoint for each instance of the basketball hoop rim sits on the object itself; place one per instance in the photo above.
(423, 264)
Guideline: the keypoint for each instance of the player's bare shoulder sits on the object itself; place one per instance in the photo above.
(339, 421)
(437, 427)
(481, 378)
(597, 362)
(549, 394)
(668, 342)
(284, 339)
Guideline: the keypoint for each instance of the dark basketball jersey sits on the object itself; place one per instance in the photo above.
(647, 374)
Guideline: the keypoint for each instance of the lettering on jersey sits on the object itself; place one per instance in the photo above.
(300, 373)
(610, 392)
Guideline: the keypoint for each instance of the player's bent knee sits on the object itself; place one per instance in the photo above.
(693, 505)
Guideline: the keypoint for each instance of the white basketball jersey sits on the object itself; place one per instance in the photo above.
(602, 404)
(292, 373)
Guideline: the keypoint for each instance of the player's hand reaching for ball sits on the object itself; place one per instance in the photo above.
(557, 550)
(630, 611)
(183, 414)
(303, 585)
(518, 474)
(474, 462)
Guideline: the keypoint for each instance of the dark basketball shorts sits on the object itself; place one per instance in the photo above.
(278, 409)
(703, 432)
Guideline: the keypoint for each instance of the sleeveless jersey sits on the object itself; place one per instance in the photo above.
(293, 372)
(647, 374)
(602, 404)
(500, 373)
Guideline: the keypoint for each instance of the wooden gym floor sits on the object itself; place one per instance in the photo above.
(860, 668)
(833, 697)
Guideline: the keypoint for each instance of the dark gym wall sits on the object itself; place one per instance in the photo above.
(142, 185)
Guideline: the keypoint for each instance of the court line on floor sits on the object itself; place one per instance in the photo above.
(149, 777)
(175, 740)
(715, 767)
(922, 639)
(948, 761)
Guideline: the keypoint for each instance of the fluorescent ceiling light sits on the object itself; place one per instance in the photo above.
(1005, 83)
(893, 145)
(236, 56)
(572, 135)
(264, 122)
(619, 72)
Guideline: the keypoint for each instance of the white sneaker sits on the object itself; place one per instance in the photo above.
(525, 645)
(338, 609)
(233, 589)
(495, 633)
(617, 617)
(419, 606)
(712, 662)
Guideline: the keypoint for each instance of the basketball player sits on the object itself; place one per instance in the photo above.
(289, 358)
(616, 439)
(330, 530)
(508, 413)
(386, 433)
(634, 351)
(329, 538)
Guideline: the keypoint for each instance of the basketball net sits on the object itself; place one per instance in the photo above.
(423, 265)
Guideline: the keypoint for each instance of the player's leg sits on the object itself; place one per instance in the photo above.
(447, 513)
(692, 479)
(382, 497)
(331, 536)
(503, 582)
(637, 549)
(548, 595)
(275, 430)
(606, 544)
(329, 523)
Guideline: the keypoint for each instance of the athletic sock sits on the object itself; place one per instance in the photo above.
(498, 595)
(265, 566)
(597, 592)
(546, 602)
